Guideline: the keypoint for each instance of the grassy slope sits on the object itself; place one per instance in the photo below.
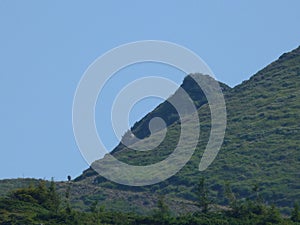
(261, 147)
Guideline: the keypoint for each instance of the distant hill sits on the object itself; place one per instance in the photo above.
(260, 154)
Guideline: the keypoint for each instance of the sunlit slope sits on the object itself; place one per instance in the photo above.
(261, 145)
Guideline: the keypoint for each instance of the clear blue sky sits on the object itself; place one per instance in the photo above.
(45, 47)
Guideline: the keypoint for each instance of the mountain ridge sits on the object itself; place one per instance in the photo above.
(255, 105)
(261, 148)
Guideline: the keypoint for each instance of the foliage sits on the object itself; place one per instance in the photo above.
(261, 145)
(259, 157)
(21, 207)
(203, 196)
(296, 213)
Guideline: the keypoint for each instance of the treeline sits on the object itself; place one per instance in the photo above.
(41, 204)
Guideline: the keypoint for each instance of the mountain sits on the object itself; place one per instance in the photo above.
(261, 146)
(260, 155)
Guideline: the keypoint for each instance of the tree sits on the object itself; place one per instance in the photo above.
(93, 207)
(203, 196)
(163, 211)
(53, 199)
(258, 206)
(233, 203)
(272, 216)
(295, 216)
(68, 190)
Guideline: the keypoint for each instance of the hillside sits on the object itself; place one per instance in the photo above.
(42, 204)
(260, 155)
(261, 145)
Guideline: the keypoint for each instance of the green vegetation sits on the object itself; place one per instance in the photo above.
(261, 145)
(41, 204)
(254, 179)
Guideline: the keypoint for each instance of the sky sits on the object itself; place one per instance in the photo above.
(46, 46)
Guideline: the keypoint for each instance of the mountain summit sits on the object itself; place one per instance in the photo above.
(261, 146)
(259, 158)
